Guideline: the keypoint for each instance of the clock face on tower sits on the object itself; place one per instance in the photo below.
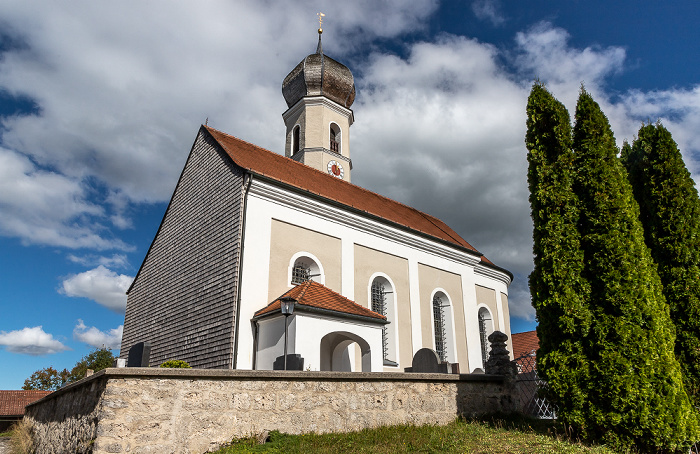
(335, 169)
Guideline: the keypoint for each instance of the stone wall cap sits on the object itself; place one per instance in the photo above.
(277, 375)
(295, 375)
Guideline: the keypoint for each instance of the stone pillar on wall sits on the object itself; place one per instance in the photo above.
(499, 362)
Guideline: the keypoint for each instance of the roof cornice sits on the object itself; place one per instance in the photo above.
(310, 203)
(318, 101)
(494, 272)
(324, 312)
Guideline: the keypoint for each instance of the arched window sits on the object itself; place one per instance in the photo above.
(334, 138)
(443, 329)
(305, 267)
(485, 329)
(382, 301)
(295, 140)
(439, 326)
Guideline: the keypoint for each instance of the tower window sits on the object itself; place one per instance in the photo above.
(295, 140)
(334, 138)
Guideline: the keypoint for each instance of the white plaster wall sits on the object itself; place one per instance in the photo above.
(311, 329)
(267, 202)
(271, 340)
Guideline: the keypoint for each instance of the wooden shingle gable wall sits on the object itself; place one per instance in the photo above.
(183, 298)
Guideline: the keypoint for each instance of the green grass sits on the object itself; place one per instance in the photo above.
(495, 436)
(5, 434)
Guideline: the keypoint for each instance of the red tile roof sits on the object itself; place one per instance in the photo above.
(12, 403)
(315, 295)
(525, 347)
(525, 343)
(280, 168)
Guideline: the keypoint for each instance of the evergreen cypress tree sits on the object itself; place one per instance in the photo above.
(559, 295)
(670, 215)
(636, 394)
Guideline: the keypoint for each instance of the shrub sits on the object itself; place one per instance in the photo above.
(21, 441)
(176, 364)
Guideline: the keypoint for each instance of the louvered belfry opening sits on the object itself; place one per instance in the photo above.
(334, 145)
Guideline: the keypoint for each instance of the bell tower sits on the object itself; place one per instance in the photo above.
(319, 92)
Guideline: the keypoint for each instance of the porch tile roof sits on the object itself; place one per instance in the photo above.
(313, 294)
(280, 168)
(12, 402)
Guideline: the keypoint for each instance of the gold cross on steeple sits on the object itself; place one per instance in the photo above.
(320, 22)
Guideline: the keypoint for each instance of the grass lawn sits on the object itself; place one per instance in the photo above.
(497, 436)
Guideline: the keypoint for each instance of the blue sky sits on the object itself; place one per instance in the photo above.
(100, 103)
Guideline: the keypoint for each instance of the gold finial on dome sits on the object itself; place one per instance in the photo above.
(320, 22)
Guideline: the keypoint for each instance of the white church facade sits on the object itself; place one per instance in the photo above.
(373, 280)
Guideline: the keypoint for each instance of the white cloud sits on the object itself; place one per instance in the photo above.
(488, 10)
(101, 285)
(43, 207)
(92, 336)
(115, 261)
(545, 53)
(443, 130)
(31, 341)
(121, 89)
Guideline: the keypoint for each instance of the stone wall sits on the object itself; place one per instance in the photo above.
(141, 410)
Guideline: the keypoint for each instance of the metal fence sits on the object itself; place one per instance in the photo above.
(530, 389)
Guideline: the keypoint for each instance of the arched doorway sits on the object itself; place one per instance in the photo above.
(337, 353)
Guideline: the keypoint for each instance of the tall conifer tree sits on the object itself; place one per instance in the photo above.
(558, 292)
(670, 215)
(636, 396)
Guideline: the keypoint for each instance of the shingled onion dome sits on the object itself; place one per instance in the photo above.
(319, 75)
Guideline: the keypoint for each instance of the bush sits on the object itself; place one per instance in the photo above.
(21, 441)
(176, 364)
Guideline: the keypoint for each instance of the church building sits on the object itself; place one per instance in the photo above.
(248, 230)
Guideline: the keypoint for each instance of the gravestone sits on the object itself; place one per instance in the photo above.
(426, 361)
(139, 355)
(294, 362)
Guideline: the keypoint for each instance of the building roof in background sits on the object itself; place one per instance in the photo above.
(12, 402)
(525, 343)
(525, 347)
(314, 295)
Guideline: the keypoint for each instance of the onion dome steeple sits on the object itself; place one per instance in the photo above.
(319, 92)
(319, 75)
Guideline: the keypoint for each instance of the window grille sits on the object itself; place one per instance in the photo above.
(439, 321)
(300, 274)
(379, 306)
(484, 338)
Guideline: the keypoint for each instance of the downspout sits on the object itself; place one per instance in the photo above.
(256, 331)
(248, 180)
